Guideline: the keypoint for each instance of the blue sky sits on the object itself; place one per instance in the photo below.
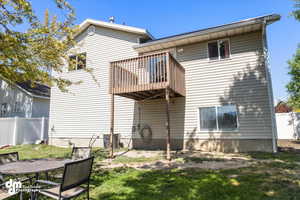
(168, 17)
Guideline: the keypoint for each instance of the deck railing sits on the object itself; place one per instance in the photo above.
(144, 73)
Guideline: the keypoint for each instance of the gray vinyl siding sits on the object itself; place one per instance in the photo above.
(30, 107)
(239, 80)
(10, 94)
(40, 107)
(85, 109)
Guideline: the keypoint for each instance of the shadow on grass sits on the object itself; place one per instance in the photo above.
(284, 154)
(130, 184)
(202, 159)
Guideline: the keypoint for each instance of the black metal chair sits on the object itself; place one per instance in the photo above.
(78, 153)
(75, 174)
(81, 153)
(7, 158)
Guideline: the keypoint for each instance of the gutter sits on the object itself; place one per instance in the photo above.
(269, 81)
(257, 20)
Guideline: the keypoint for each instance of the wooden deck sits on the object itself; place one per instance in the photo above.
(147, 77)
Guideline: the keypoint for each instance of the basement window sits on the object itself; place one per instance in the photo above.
(219, 49)
(218, 118)
(77, 62)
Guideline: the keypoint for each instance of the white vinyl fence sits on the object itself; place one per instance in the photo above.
(288, 125)
(14, 131)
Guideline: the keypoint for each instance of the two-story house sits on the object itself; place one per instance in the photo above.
(209, 89)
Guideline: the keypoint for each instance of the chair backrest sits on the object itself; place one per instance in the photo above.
(81, 152)
(76, 173)
(9, 157)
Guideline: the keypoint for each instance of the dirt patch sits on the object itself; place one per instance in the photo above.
(140, 154)
(181, 160)
(212, 155)
(163, 164)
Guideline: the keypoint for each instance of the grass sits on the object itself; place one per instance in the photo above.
(35, 151)
(277, 179)
(244, 184)
(289, 156)
(38, 151)
(202, 159)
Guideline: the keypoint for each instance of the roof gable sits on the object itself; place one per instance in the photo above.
(39, 90)
(130, 29)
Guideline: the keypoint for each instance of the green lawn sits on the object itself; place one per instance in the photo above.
(279, 178)
(38, 151)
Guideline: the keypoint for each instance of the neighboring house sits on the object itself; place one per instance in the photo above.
(23, 100)
(282, 107)
(217, 80)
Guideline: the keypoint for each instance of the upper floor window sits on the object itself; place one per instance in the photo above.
(219, 49)
(77, 62)
(17, 107)
(3, 110)
(218, 118)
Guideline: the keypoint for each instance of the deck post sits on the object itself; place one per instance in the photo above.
(168, 150)
(112, 115)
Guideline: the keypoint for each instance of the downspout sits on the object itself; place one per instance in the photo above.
(269, 82)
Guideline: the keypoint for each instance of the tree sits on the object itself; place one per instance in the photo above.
(296, 12)
(293, 86)
(30, 55)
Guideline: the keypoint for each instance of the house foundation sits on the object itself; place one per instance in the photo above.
(212, 145)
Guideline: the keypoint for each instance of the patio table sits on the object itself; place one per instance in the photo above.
(34, 166)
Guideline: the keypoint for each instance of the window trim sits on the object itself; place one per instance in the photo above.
(76, 55)
(218, 130)
(219, 57)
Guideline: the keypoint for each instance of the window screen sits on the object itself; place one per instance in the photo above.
(224, 49)
(208, 118)
(77, 62)
(213, 50)
(219, 49)
(3, 110)
(227, 117)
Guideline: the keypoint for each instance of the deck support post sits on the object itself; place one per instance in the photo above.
(168, 150)
(112, 115)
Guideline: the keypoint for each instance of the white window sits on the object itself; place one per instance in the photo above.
(17, 107)
(219, 49)
(3, 109)
(77, 62)
(218, 118)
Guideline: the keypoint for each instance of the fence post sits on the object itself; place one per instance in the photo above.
(43, 128)
(15, 131)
